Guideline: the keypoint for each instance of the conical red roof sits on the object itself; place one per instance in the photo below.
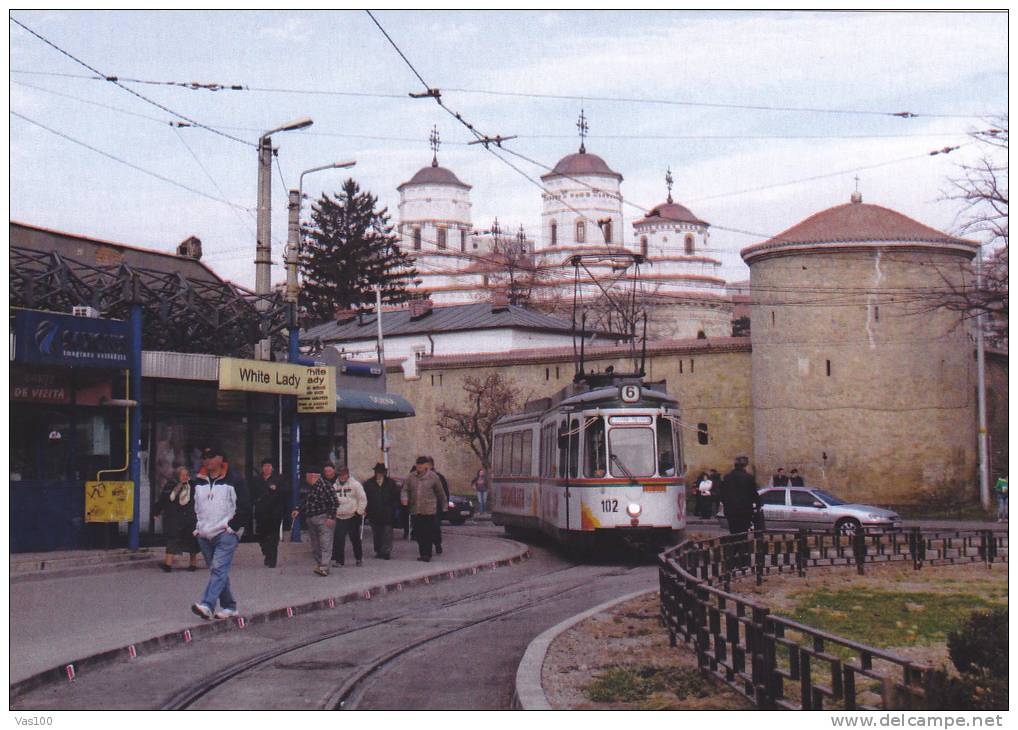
(581, 163)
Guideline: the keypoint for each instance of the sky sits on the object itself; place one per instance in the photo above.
(764, 118)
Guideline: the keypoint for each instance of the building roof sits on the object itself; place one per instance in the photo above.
(433, 174)
(451, 318)
(98, 252)
(671, 212)
(581, 163)
(856, 222)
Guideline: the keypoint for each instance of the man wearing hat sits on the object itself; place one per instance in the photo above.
(383, 500)
(318, 508)
(222, 509)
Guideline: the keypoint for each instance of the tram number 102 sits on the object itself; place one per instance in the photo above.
(609, 505)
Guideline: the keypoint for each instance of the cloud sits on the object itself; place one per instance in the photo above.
(291, 30)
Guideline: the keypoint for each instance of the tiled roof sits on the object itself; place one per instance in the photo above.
(582, 163)
(856, 222)
(434, 175)
(671, 213)
(452, 318)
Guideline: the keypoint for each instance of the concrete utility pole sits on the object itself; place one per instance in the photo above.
(381, 363)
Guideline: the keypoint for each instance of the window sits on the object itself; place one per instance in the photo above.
(665, 448)
(690, 364)
(803, 499)
(595, 456)
(608, 231)
(828, 368)
(463, 240)
(632, 451)
(526, 461)
(443, 235)
(772, 318)
(563, 449)
(547, 373)
(581, 232)
(689, 244)
(773, 496)
(417, 238)
(644, 245)
(506, 455)
(574, 447)
(517, 460)
(701, 434)
(496, 455)
(554, 233)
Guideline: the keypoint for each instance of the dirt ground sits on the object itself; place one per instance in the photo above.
(630, 636)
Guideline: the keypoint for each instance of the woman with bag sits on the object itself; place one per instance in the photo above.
(176, 505)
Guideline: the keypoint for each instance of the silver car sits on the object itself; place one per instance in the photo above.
(795, 507)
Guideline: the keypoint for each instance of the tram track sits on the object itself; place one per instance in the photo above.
(205, 688)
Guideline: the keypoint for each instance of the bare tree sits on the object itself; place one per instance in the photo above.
(486, 401)
(512, 266)
(982, 189)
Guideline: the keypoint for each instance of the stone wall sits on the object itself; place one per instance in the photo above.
(710, 378)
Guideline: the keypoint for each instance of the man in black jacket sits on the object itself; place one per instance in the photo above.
(383, 500)
(739, 495)
(270, 502)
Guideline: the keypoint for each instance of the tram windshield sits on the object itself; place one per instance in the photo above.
(632, 452)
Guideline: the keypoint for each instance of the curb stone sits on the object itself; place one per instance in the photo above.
(529, 693)
(191, 633)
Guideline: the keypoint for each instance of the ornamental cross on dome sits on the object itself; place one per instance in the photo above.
(435, 141)
(581, 125)
(668, 182)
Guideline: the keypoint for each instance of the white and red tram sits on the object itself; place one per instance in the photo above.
(600, 459)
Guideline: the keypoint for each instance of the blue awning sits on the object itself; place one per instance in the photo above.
(357, 406)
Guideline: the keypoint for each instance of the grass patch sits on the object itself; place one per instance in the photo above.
(885, 618)
(655, 687)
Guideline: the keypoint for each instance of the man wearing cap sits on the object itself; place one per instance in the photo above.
(350, 505)
(423, 494)
(318, 508)
(383, 499)
(222, 509)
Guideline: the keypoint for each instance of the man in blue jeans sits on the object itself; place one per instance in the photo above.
(222, 506)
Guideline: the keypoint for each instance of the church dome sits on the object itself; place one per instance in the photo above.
(670, 213)
(581, 163)
(434, 175)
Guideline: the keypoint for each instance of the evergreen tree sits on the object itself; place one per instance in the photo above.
(349, 248)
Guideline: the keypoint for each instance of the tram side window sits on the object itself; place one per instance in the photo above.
(506, 453)
(549, 467)
(563, 449)
(574, 447)
(528, 455)
(595, 458)
(517, 452)
(665, 448)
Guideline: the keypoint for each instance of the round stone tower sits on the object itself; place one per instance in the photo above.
(858, 380)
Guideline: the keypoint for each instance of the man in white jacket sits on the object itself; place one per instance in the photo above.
(353, 502)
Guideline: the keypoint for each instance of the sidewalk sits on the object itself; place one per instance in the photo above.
(58, 621)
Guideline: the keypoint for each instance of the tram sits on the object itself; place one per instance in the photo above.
(599, 460)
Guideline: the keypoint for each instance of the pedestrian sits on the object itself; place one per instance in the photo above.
(318, 508)
(480, 485)
(704, 487)
(441, 507)
(1000, 488)
(270, 497)
(351, 503)
(383, 500)
(715, 492)
(780, 479)
(222, 510)
(740, 498)
(795, 479)
(423, 493)
(176, 505)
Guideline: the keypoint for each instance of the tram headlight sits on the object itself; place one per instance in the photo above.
(634, 509)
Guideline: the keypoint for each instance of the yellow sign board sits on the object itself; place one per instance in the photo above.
(109, 501)
(263, 377)
(321, 393)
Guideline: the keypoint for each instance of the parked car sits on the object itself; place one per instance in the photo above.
(795, 507)
(461, 511)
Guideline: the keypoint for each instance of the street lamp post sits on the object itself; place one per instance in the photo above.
(263, 247)
(294, 237)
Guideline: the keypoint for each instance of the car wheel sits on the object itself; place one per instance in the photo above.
(847, 526)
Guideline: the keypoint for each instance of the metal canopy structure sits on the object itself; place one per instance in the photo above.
(180, 314)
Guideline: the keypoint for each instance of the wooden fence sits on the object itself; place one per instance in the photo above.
(781, 663)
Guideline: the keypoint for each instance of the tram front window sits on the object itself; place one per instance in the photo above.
(632, 451)
(665, 448)
(594, 450)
